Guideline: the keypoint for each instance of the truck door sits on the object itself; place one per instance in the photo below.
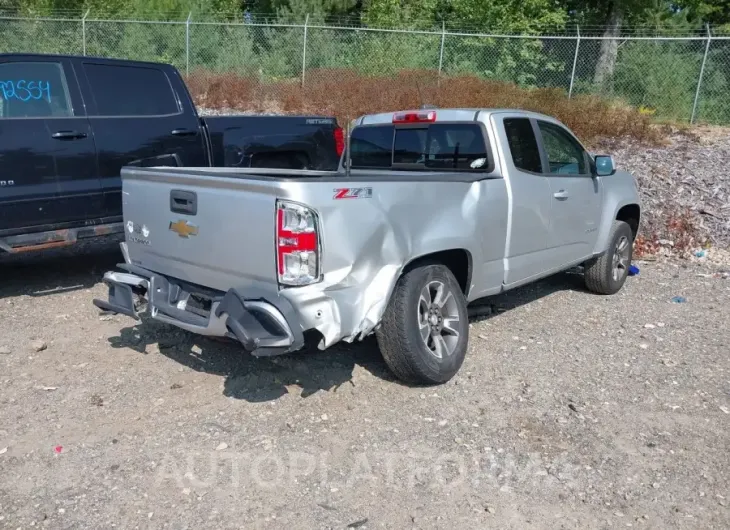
(576, 194)
(529, 251)
(139, 118)
(47, 156)
(79, 190)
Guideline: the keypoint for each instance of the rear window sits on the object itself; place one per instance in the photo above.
(130, 90)
(372, 147)
(445, 146)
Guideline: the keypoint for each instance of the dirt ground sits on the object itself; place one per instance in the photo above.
(571, 411)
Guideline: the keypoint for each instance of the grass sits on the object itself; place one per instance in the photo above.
(347, 94)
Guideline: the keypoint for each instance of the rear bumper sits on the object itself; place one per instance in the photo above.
(264, 323)
(56, 238)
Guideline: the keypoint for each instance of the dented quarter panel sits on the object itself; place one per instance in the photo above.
(368, 242)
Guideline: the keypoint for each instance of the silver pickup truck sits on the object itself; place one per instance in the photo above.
(430, 210)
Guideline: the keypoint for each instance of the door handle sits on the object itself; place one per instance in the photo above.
(185, 202)
(183, 132)
(561, 195)
(68, 135)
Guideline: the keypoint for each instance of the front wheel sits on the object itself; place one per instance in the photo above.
(425, 329)
(607, 273)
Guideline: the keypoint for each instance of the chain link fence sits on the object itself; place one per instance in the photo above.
(286, 67)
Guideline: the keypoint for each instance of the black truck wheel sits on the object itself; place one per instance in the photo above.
(424, 332)
(607, 273)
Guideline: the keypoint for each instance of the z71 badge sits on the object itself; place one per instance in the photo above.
(353, 193)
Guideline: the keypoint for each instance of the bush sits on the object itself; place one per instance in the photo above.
(348, 94)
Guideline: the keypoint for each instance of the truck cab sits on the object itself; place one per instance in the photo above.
(553, 199)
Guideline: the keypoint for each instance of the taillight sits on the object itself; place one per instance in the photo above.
(422, 116)
(339, 141)
(297, 244)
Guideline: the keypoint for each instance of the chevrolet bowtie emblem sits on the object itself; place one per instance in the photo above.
(183, 228)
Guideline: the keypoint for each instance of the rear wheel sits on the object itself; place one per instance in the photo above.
(607, 273)
(425, 329)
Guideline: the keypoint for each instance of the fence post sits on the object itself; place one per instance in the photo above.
(83, 31)
(702, 73)
(304, 49)
(441, 53)
(575, 62)
(187, 44)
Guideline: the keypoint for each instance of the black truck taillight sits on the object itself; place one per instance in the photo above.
(339, 140)
(297, 244)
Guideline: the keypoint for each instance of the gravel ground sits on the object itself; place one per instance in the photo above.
(687, 175)
(571, 411)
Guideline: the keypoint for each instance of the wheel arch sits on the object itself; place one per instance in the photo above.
(628, 211)
(458, 260)
(630, 214)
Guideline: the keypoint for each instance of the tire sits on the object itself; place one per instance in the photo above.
(411, 321)
(607, 273)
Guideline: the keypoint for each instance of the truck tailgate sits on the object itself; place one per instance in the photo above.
(211, 231)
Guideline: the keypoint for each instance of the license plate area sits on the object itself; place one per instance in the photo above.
(185, 302)
(198, 304)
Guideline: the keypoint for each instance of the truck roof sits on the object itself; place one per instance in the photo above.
(109, 60)
(452, 114)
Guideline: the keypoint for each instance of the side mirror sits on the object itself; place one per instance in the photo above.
(604, 165)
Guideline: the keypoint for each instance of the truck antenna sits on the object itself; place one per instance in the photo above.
(424, 106)
(420, 95)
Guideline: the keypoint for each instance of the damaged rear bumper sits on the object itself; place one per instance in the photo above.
(264, 323)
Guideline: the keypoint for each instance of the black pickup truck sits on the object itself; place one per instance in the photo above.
(69, 124)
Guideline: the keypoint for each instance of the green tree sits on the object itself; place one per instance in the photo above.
(508, 16)
(400, 13)
(285, 9)
(610, 15)
(519, 61)
(714, 12)
(10, 6)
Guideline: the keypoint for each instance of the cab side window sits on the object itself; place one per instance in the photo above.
(522, 144)
(130, 90)
(565, 155)
(33, 90)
